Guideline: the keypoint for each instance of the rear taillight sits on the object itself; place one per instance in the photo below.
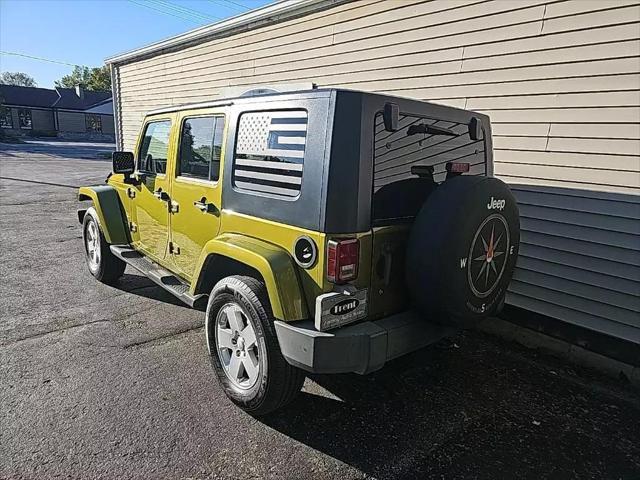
(342, 260)
(457, 167)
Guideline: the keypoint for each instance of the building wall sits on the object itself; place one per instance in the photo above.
(560, 80)
(108, 127)
(105, 108)
(16, 120)
(73, 122)
(41, 120)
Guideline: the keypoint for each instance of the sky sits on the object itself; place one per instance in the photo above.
(85, 32)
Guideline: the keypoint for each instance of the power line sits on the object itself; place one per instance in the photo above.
(189, 12)
(238, 4)
(231, 3)
(42, 59)
(170, 10)
(147, 5)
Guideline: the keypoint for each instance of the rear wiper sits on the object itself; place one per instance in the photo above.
(431, 129)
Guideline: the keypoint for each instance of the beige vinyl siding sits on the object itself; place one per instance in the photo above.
(560, 80)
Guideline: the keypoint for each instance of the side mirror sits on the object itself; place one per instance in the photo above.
(475, 129)
(391, 117)
(123, 162)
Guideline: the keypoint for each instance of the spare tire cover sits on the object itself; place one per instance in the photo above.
(462, 250)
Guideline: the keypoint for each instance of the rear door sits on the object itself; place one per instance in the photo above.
(408, 166)
(196, 187)
(149, 199)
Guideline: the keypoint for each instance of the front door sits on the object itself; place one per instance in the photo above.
(196, 188)
(150, 199)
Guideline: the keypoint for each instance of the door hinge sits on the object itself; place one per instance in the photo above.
(131, 193)
(174, 249)
(173, 207)
(133, 227)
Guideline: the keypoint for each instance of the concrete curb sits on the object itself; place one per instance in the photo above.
(560, 348)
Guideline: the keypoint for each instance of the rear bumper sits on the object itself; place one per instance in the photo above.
(360, 348)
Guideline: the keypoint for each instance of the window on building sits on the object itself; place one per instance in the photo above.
(200, 148)
(93, 123)
(155, 147)
(6, 120)
(269, 152)
(24, 118)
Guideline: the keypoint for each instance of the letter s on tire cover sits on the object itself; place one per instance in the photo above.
(462, 250)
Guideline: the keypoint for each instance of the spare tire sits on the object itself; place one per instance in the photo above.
(462, 250)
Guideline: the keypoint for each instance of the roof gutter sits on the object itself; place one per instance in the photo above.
(272, 13)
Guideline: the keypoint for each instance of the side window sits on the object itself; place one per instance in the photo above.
(6, 120)
(24, 118)
(93, 123)
(153, 154)
(269, 154)
(200, 147)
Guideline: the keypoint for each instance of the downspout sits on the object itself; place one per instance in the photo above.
(56, 120)
(115, 87)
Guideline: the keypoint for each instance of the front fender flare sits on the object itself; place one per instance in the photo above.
(272, 262)
(110, 212)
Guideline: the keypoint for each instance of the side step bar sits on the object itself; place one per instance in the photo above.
(157, 274)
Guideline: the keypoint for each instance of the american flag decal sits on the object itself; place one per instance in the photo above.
(270, 152)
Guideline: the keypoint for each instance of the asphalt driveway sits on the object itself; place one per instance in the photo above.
(114, 382)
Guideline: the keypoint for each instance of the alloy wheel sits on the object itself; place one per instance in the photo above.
(237, 346)
(92, 244)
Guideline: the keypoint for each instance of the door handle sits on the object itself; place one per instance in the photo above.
(203, 206)
(161, 194)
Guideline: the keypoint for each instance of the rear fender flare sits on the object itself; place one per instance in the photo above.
(273, 263)
(110, 212)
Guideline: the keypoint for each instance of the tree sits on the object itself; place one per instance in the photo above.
(98, 78)
(17, 78)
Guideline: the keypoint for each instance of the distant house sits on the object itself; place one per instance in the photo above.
(63, 112)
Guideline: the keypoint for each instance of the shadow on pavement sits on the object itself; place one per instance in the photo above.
(476, 410)
(143, 287)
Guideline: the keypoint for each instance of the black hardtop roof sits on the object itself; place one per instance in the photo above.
(292, 95)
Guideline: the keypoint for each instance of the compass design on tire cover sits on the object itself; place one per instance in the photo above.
(488, 255)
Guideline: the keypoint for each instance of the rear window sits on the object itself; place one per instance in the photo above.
(270, 149)
(409, 162)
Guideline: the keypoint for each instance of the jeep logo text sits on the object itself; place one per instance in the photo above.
(496, 204)
(345, 306)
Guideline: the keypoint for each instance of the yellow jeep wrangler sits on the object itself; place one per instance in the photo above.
(326, 230)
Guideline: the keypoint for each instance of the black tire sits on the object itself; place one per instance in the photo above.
(108, 268)
(277, 382)
(447, 276)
